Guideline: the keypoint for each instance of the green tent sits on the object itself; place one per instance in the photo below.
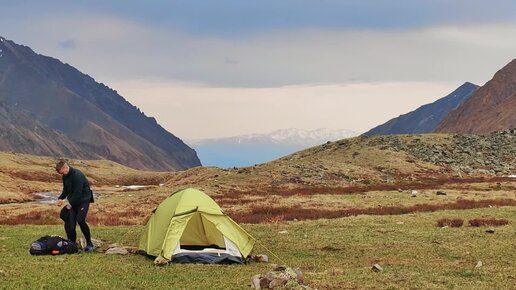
(189, 227)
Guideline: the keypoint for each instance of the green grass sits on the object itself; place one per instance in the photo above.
(333, 254)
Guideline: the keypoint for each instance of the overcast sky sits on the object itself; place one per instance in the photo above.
(223, 68)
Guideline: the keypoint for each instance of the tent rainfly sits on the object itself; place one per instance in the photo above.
(189, 227)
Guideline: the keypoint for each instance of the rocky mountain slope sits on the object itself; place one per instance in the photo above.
(20, 132)
(87, 112)
(491, 108)
(425, 118)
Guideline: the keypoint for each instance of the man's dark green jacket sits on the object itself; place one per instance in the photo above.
(76, 188)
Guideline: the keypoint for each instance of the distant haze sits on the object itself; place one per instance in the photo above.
(248, 150)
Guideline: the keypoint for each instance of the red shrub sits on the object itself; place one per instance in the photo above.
(260, 214)
(36, 217)
(454, 223)
(488, 222)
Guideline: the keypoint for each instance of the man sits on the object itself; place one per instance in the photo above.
(76, 189)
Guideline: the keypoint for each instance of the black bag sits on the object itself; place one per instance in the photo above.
(53, 245)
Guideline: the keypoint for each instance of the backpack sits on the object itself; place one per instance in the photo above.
(53, 245)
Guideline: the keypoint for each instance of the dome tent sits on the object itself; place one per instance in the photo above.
(189, 227)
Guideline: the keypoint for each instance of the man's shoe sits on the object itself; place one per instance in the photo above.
(89, 248)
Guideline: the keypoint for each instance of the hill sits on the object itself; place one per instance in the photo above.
(87, 112)
(491, 108)
(425, 118)
(21, 175)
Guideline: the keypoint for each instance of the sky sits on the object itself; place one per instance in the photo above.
(208, 69)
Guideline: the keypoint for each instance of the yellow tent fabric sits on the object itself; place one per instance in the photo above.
(191, 217)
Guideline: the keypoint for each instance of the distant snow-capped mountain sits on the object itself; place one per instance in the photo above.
(247, 150)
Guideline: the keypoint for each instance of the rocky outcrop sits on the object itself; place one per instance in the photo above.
(494, 153)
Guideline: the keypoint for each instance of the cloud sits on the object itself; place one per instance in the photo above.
(113, 49)
(67, 44)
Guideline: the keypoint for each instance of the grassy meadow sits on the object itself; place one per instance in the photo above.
(332, 254)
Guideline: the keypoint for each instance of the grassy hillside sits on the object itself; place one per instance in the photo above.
(332, 254)
(23, 174)
(332, 210)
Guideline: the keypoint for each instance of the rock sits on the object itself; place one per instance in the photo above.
(479, 264)
(377, 268)
(400, 190)
(299, 275)
(441, 192)
(290, 273)
(279, 268)
(160, 261)
(132, 250)
(259, 258)
(281, 276)
(283, 232)
(255, 281)
(116, 250)
(115, 245)
(265, 282)
(490, 230)
(278, 282)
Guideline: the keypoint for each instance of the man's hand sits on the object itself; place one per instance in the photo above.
(59, 202)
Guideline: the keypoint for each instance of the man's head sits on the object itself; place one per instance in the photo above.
(62, 167)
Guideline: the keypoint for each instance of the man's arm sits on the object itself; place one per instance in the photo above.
(65, 192)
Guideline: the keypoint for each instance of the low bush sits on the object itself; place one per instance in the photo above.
(271, 214)
(487, 222)
(454, 223)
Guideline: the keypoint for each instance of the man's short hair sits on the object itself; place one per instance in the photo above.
(60, 164)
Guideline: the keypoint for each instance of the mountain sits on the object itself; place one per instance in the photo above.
(491, 108)
(22, 133)
(252, 149)
(86, 112)
(425, 118)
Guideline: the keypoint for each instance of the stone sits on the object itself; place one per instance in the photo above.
(479, 264)
(278, 268)
(265, 282)
(283, 232)
(290, 273)
(439, 192)
(160, 261)
(299, 275)
(117, 250)
(255, 281)
(377, 268)
(115, 245)
(278, 282)
(259, 258)
(490, 231)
